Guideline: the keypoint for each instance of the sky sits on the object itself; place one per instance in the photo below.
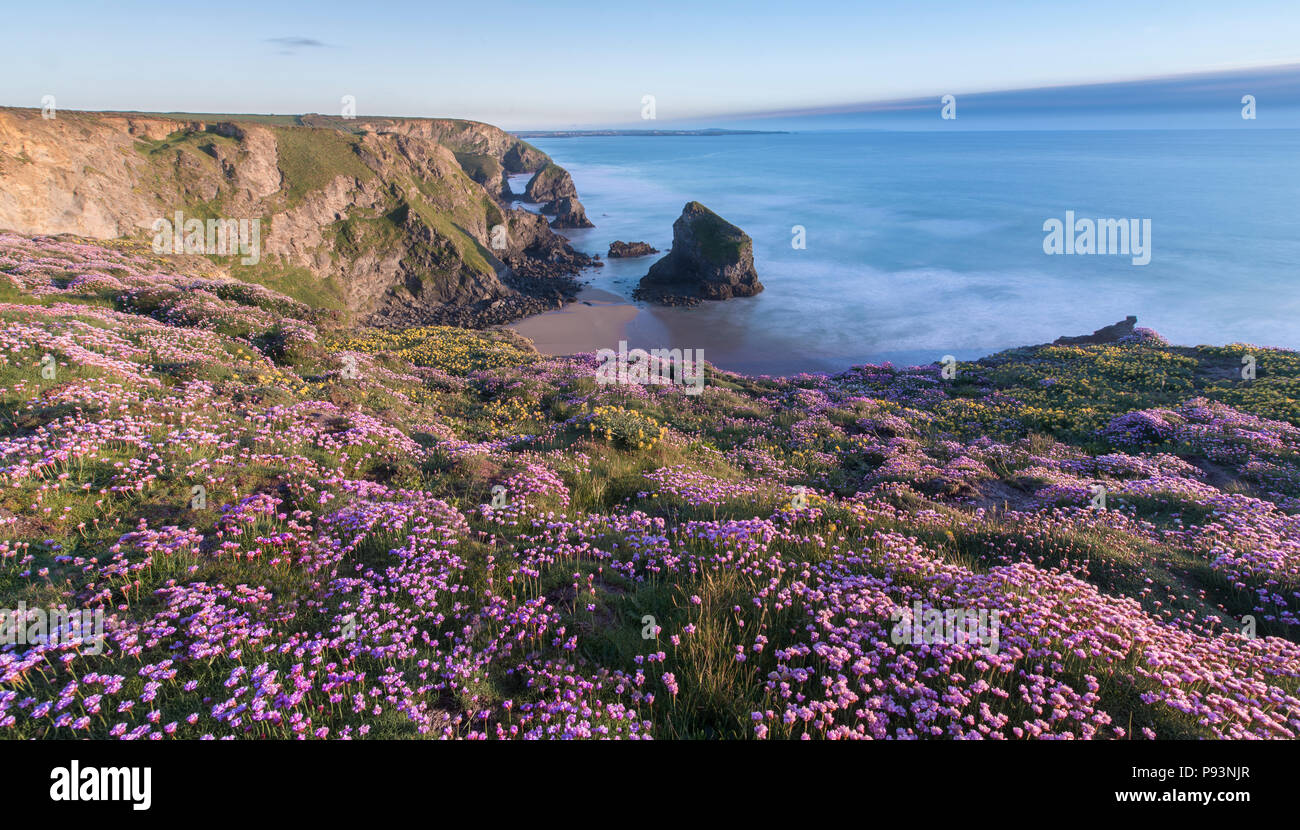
(567, 65)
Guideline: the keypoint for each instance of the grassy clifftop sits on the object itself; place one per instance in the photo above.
(440, 533)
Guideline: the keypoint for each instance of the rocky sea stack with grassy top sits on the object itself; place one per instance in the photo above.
(711, 259)
(550, 183)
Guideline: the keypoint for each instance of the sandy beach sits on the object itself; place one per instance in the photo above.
(596, 320)
(599, 319)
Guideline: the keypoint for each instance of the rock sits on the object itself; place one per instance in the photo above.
(619, 249)
(1108, 334)
(711, 259)
(550, 183)
(553, 186)
(569, 213)
(522, 157)
(537, 253)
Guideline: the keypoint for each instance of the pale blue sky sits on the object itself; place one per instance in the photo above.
(577, 64)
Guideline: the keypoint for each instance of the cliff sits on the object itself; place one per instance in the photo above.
(389, 220)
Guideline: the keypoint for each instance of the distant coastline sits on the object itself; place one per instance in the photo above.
(583, 133)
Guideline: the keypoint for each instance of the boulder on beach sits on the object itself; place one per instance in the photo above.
(619, 249)
(711, 259)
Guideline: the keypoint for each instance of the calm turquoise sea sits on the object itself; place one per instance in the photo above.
(931, 243)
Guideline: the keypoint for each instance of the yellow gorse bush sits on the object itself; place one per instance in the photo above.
(625, 427)
(453, 350)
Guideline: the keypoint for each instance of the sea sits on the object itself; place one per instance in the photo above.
(886, 246)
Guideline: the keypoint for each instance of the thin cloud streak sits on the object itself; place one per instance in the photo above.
(1281, 82)
(292, 44)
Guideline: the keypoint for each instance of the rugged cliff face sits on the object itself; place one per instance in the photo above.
(398, 221)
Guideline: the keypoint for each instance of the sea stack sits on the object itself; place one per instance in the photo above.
(711, 259)
(550, 183)
(569, 213)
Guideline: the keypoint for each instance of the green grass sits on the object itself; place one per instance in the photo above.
(324, 293)
(311, 158)
(720, 241)
(485, 170)
(467, 249)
